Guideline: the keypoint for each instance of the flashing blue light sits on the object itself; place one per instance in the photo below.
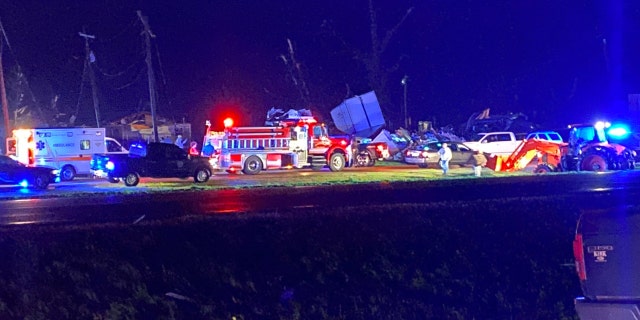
(24, 183)
(618, 131)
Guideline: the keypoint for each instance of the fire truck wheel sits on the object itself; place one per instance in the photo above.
(253, 165)
(132, 179)
(202, 175)
(336, 162)
(41, 181)
(593, 162)
(67, 173)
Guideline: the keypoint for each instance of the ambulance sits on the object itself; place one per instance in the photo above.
(67, 149)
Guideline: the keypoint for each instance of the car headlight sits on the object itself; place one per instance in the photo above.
(110, 165)
(55, 172)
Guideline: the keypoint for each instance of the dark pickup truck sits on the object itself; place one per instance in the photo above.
(368, 152)
(607, 255)
(154, 160)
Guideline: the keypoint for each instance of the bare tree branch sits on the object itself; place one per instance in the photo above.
(392, 32)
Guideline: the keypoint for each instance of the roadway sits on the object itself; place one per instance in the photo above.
(97, 201)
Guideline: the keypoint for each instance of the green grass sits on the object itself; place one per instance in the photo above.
(475, 260)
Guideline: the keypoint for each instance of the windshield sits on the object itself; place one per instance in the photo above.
(320, 131)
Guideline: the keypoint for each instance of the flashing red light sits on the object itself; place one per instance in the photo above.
(228, 123)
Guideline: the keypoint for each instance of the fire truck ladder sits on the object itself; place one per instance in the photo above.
(267, 138)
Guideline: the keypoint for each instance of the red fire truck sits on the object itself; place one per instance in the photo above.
(291, 143)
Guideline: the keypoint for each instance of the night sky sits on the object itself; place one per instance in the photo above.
(558, 62)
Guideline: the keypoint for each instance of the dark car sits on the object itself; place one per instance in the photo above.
(426, 155)
(14, 172)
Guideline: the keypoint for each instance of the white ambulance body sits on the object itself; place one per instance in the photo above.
(67, 149)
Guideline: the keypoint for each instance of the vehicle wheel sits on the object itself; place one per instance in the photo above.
(132, 179)
(336, 162)
(41, 181)
(253, 165)
(363, 159)
(543, 168)
(423, 166)
(371, 160)
(593, 162)
(202, 175)
(67, 173)
(113, 179)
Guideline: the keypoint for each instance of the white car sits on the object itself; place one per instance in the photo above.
(545, 135)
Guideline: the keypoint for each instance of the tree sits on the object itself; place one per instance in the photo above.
(294, 72)
(371, 59)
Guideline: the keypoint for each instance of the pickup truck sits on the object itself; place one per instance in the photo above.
(606, 249)
(368, 152)
(154, 160)
(498, 143)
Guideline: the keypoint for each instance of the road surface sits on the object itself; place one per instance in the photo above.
(97, 201)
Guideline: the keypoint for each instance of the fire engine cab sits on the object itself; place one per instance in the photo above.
(299, 142)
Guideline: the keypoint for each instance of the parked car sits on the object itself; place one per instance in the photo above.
(426, 155)
(15, 172)
(154, 160)
(545, 135)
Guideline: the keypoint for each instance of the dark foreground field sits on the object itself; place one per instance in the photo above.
(510, 259)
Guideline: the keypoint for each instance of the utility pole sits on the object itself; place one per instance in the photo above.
(152, 94)
(89, 59)
(404, 84)
(3, 92)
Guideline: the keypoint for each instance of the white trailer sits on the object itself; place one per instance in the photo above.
(67, 149)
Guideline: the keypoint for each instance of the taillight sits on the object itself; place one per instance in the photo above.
(425, 154)
(578, 254)
(31, 153)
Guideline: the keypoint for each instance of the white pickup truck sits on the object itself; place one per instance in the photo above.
(500, 143)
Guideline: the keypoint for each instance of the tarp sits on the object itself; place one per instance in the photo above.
(386, 136)
(360, 116)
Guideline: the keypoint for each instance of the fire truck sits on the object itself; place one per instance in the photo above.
(299, 142)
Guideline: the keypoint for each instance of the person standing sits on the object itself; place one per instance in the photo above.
(193, 149)
(208, 149)
(180, 141)
(479, 161)
(445, 156)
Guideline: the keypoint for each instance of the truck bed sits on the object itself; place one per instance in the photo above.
(607, 251)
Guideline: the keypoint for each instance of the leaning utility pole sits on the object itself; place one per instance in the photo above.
(5, 103)
(3, 92)
(152, 94)
(89, 59)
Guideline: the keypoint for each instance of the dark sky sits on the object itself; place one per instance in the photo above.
(547, 59)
